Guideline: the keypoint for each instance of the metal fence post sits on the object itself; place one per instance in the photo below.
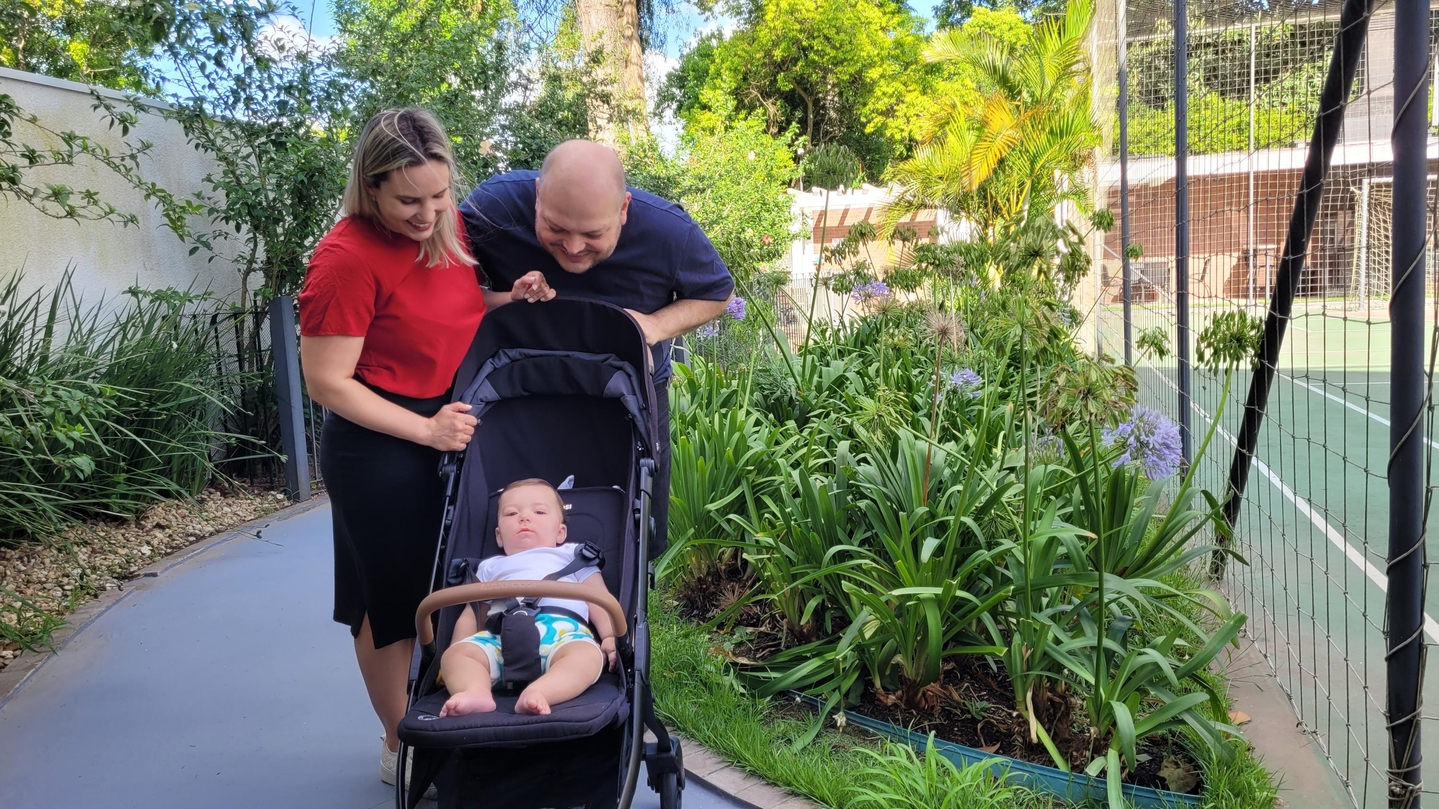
(290, 397)
(1181, 224)
(1407, 462)
(1251, 256)
(1127, 289)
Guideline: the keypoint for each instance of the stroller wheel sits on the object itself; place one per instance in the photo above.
(670, 791)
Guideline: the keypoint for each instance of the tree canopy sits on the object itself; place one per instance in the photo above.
(1290, 60)
(838, 71)
(85, 41)
(461, 74)
(277, 112)
(955, 13)
(731, 175)
(1004, 154)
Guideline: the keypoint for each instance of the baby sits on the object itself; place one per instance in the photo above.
(531, 532)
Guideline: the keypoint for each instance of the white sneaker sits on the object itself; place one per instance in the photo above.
(389, 760)
(389, 763)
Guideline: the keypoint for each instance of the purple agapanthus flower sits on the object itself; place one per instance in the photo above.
(707, 330)
(967, 382)
(872, 290)
(1149, 439)
(736, 308)
(1048, 448)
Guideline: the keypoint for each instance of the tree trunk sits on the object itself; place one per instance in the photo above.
(614, 26)
(808, 116)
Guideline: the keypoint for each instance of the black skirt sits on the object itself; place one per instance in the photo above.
(386, 499)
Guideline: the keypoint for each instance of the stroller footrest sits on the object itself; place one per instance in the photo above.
(602, 705)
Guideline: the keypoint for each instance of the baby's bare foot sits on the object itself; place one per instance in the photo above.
(467, 702)
(531, 701)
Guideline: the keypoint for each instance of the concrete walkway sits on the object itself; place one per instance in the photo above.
(221, 682)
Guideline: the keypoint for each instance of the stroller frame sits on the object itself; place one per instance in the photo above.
(560, 326)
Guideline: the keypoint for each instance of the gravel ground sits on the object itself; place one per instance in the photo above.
(41, 583)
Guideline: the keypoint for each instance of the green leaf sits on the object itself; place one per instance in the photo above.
(1113, 780)
(1125, 730)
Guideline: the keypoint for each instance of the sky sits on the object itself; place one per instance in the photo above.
(681, 26)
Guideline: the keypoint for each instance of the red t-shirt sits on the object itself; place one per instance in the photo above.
(417, 321)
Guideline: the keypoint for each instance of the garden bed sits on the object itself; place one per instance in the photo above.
(947, 528)
(695, 694)
(1074, 787)
(974, 707)
(838, 767)
(41, 582)
(971, 705)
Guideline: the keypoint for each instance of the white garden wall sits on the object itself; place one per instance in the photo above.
(107, 258)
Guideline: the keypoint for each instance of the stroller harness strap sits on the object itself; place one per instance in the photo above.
(518, 631)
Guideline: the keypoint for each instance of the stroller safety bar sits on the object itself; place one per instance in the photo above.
(496, 590)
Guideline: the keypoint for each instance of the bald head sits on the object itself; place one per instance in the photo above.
(580, 204)
(583, 167)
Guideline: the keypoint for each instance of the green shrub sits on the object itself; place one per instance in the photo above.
(731, 176)
(102, 410)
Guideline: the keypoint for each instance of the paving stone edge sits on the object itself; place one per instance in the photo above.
(20, 670)
(741, 786)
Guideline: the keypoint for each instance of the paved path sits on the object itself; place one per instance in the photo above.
(220, 683)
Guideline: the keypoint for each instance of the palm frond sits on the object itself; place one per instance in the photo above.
(949, 45)
(997, 159)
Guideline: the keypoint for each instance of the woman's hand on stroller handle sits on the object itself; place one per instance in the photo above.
(452, 428)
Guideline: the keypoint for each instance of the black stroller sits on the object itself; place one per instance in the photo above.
(561, 389)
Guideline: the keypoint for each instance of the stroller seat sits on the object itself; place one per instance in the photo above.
(601, 705)
(596, 516)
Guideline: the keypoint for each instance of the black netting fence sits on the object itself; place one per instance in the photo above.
(1314, 519)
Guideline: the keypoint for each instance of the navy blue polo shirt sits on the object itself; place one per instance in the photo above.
(662, 256)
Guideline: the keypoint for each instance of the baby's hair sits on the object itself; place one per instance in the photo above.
(539, 482)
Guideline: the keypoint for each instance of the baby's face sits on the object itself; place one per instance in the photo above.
(530, 517)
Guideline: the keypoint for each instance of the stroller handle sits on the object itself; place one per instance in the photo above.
(514, 588)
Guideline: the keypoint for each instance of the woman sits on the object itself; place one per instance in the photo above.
(389, 307)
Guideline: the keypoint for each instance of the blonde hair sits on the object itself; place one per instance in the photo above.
(398, 139)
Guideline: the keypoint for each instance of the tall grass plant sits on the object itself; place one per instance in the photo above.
(105, 407)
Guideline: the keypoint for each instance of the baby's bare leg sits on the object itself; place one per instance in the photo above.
(573, 668)
(466, 669)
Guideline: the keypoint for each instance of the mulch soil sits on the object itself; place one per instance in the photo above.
(973, 705)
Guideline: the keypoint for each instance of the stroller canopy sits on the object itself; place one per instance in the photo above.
(562, 325)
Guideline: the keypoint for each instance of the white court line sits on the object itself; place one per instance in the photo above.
(1356, 408)
(1354, 555)
(1354, 383)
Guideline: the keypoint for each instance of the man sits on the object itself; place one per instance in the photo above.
(594, 237)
